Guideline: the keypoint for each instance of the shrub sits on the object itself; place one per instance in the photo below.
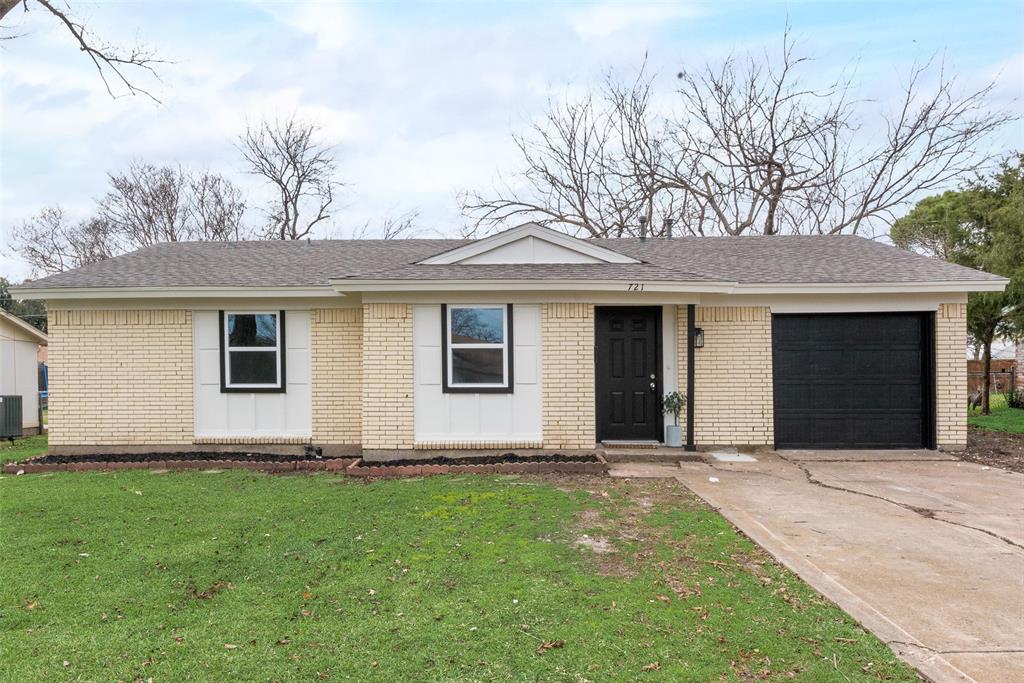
(1015, 399)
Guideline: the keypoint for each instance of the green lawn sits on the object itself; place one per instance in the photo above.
(1002, 419)
(22, 449)
(238, 575)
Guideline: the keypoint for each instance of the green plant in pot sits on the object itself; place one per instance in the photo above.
(675, 403)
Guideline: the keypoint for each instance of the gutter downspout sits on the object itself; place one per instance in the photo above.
(691, 316)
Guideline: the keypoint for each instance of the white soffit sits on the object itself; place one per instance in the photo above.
(529, 243)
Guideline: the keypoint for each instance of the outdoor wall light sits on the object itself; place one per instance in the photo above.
(698, 338)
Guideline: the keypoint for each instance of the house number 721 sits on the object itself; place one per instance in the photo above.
(634, 286)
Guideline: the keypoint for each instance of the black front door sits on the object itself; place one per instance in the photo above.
(628, 373)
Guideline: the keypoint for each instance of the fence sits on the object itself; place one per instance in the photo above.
(999, 382)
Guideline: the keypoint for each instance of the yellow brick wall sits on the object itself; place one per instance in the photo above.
(951, 376)
(120, 377)
(732, 375)
(337, 375)
(567, 362)
(387, 377)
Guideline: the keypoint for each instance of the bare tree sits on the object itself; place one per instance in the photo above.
(149, 204)
(746, 148)
(145, 205)
(52, 244)
(113, 64)
(218, 208)
(392, 226)
(577, 172)
(300, 169)
(400, 226)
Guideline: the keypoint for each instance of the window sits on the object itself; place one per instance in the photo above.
(477, 353)
(252, 352)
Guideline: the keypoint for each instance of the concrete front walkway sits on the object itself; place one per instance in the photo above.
(924, 550)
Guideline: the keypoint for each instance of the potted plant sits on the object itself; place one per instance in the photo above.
(675, 403)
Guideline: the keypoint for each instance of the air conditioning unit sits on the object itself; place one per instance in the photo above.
(10, 417)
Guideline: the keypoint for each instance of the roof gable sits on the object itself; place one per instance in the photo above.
(528, 243)
(18, 324)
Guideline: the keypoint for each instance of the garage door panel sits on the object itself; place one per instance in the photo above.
(863, 361)
(905, 363)
(866, 397)
(851, 380)
(908, 396)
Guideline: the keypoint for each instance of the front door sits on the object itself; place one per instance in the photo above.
(628, 369)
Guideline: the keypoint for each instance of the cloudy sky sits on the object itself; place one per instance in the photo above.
(419, 99)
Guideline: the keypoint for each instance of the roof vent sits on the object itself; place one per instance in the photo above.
(643, 228)
(668, 228)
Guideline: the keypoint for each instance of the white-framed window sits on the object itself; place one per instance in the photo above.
(477, 348)
(252, 355)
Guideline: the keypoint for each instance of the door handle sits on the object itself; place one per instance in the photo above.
(653, 386)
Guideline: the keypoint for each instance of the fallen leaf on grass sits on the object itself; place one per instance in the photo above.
(229, 646)
(550, 645)
(664, 598)
(653, 666)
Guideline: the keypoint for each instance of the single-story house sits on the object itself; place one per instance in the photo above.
(526, 339)
(19, 369)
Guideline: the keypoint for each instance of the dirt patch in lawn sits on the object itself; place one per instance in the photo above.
(995, 449)
(617, 536)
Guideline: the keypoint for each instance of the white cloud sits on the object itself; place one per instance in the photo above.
(601, 21)
(333, 24)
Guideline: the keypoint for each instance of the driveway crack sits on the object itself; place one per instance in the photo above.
(927, 513)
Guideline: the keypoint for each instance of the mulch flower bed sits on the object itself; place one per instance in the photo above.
(205, 460)
(507, 463)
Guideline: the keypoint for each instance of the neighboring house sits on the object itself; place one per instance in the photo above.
(528, 339)
(19, 369)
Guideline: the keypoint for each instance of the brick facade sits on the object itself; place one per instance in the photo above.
(120, 378)
(387, 377)
(732, 375)
(125, 378)
(337, 375)
(567, 334)
(951, 376)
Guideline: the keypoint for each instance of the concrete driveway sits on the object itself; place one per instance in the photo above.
(922, 549)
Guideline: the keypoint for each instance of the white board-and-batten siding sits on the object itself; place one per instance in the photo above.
(477, 418)
(287, 414)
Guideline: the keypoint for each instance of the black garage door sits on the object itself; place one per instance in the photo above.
(853, 380)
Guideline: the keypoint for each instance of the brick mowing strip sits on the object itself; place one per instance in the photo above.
(349, 466)
(329, 464)
(385, 471)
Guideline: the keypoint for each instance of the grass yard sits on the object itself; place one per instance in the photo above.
(1002, 419)
(135, 575)
(22, 449)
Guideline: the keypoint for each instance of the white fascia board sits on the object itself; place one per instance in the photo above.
(527, 230)
(874, 287)
(450, 285)
(346, 285)
(172, 292)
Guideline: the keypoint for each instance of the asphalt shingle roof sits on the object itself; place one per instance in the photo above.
(793, 259)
